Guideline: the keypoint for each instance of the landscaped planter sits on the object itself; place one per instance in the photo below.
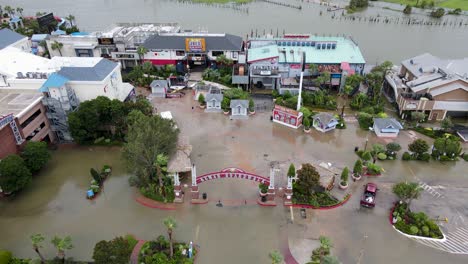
(262, 194)
(226, 112)
(202, 106)
(251, 112)
(356, 176)
(343, 187)
(307, 130)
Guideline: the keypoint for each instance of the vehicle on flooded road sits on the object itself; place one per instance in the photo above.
(368, 197)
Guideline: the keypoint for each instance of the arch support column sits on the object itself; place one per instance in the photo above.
(271, 187)
(288, 192)
(194, 188)
(179, 196)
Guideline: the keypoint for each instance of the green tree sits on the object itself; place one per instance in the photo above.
(358, 3)
(306, 122)
(448, 146)
(170, 224)
(291, 170)
(62, 244)
(438, 13)
(323, 79)
(446, 124)
(330, 260)
(57, 46)
(251, 105)
(20, 11)
(161, 168)
(70, 18)
(276, 257)
(418, 146)
(96, 176)
(35, 155)
(116, 251)
(36, 241)
(358, 167)
(14, 175)
(393, 147)
(344, 176)
(359, 101)
(141, 51)
(353, 81)
(407, 10)
(9, 10)
(365, 120)
(148, 137)
(224, 61)
(201, 99)
(308, 181)
(367, 156)
(418, 116)
(407, 192)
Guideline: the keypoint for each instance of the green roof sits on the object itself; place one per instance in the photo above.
(262, 53)
(346, 51)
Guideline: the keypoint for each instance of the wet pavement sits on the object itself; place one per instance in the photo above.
(237, 232)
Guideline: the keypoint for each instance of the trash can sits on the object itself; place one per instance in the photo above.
(204, 196)
(356, 149)
(271, 118)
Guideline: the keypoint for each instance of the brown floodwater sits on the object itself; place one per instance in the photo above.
(55, 202)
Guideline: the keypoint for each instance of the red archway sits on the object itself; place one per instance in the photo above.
(232, 173)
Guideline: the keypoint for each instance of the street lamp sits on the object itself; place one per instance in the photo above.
(365, 146)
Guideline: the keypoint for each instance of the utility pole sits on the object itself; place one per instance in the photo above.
(299, 98)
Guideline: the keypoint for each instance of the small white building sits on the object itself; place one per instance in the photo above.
(213, 100)
(324, 122)
(387, 127)
(159, 88)
(9, 38)
(239, 109)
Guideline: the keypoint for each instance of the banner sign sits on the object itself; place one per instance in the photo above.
(235, 175)
(195, 44)
(5, 120)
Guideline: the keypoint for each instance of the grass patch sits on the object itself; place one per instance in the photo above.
(462, 4)
(222, 1)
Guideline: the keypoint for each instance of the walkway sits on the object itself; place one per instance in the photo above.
(456, 242)
(136, 252)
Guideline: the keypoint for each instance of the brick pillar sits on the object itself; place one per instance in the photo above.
(270, 194)
(195, 192)
(288, 192)
(179, 197)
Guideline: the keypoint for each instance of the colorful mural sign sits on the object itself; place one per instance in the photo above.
(195, 44)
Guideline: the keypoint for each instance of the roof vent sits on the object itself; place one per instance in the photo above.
(411, 61)
(421, 70)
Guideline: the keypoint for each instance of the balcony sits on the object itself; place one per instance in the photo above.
(240, 74)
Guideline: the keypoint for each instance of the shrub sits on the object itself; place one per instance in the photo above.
(373, 169)
(425, 157)
(131, 241)
(14, 175)
(306, 122)
(406, 156)
(5, 257)
(367, 156)
(465, 156)
(360, 153)
(251, 105)
(407, 10)
(438, 13)
(263, 188)
(35, 155)
(413, 230)
(201, 99)
(358, 167)
(344, 176)
(381, 156)
(365, 120)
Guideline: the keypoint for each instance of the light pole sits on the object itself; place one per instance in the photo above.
(300, 81)
(365, 146)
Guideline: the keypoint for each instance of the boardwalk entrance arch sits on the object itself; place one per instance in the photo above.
(231, 173)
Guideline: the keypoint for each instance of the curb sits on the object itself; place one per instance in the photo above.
(200, 202)
(153, 204)
(136, 251)
(322, 207)
(265, 204)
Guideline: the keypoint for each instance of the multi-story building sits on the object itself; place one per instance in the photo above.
(9, 38)
(120, 43)
(64, 82)
(428, 84)
(191, 48)
(275, 63)
(22, 118)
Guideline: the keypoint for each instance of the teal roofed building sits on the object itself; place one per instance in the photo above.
(274, 63)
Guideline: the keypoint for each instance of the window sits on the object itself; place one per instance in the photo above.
(235, 54)
(84, 53)
(328, 46)
(334, 46)
(217, 53)
(324, 45)
(180, 53)
(31, 118)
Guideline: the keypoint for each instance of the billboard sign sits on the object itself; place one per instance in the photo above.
(46, 20)
(195, 44)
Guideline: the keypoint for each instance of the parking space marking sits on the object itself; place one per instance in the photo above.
(456, 242)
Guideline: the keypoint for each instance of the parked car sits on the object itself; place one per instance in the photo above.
(368, 197)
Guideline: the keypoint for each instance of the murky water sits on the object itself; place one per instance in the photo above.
(236, 233)
(378, 41)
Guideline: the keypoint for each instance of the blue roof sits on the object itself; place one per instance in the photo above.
(59, 32)
(15, 20)
(8, 37)
(38, 37)
(79, 34)
(97, 73)
(55, 80)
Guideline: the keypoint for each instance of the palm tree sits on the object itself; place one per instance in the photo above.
(57, 46)
(36, 241)
(276, 257)
(141, 50)
(9, 10)
(170, 224)
(20, 10)
(161, 166)
(62, 244)
(70, 18)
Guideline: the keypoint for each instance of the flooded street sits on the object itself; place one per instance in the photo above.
(374, 39)
(236, 233)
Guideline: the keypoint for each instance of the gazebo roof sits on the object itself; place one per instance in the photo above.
(180, 160)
